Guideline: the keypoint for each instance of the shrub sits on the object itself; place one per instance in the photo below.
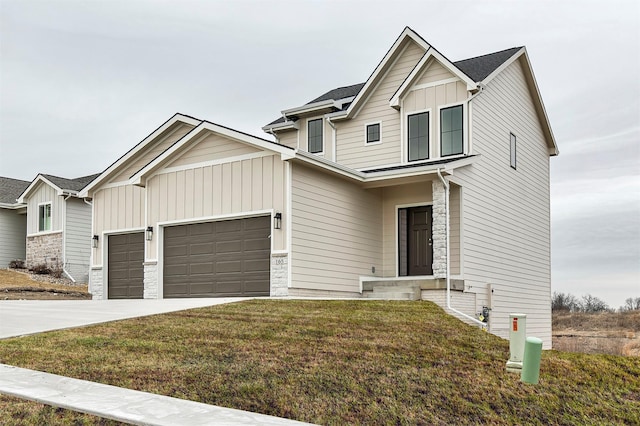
(41, 269)
(57, 272)
(16, 264)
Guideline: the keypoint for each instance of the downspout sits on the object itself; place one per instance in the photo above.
(272, 133)
(446, 213)
(333, 138)
(470, 113)
(64, 241)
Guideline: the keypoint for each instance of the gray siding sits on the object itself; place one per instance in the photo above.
(13, 234)
(336, 231)
(77, 239)
(43, 193)
(506, 214)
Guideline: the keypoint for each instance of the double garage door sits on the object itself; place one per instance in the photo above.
(212, 259)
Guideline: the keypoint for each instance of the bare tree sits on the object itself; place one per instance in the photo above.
(631, 304)
(564, 302)
(591, 304)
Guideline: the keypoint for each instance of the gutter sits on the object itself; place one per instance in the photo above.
(446, 212)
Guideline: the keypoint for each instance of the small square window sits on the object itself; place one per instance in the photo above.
(513, 150)
(373, 133)
(44, 217)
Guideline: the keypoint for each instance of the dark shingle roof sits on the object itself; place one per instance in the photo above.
(339, 93)
(10, 189)
(71, 184)
(477, 69)
(480, 67)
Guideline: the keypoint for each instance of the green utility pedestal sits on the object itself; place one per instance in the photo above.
(531, 360)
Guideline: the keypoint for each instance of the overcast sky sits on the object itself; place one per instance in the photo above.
(81, 82)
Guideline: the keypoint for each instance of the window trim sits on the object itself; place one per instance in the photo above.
(309, 121)
(464, 134)
(513, 150)
(406, 133)
(366, 133)
(40, 205)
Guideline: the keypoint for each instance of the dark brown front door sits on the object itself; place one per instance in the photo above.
(125, 270)
(419, 245)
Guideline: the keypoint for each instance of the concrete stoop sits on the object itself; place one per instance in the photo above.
(393, 291)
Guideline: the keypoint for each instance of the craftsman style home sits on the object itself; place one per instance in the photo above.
(58, 225)
(430, 180)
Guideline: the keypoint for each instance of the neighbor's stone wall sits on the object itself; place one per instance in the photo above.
(96, 284)
(279, 274)
(439, 230)
(45, 249)
(150, 280)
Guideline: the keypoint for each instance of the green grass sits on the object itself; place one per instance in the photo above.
(336, 362)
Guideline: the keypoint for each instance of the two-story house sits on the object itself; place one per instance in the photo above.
(429, 180)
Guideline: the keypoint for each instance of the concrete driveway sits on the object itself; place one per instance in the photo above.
(22, 317)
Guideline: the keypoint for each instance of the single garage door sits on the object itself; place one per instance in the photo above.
(125, 269)
(218, 259)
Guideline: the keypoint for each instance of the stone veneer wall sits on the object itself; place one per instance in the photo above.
(279, 275)
(439, 230)
(150, 280)
(96, 285)
(45, 249)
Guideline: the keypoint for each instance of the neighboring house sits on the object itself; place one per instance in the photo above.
(430, 175)
(58, 228)
(13, 221)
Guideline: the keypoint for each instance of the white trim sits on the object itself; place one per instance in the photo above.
(136, 149)
(397, 245)
(464, 128)
(38, 234)
(33, 184)
(366, 134)
(216, 218)
(307, 120)
(289, 201)
(215, 162)
(434, 83)
(405, 136)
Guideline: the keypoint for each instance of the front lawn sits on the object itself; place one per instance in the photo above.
(336, 362)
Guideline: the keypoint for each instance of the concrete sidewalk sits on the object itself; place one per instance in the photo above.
(125, 405)
(22, 317)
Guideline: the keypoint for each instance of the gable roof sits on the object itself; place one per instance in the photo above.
(10, 190)
(60, 184)
(163, 158)
(480, 67)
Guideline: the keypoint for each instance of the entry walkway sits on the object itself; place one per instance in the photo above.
(125, 405)
(23, 317)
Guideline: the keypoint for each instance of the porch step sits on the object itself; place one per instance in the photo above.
(393, 292)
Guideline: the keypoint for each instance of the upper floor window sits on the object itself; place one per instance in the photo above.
(418, 136)
(373, 133)
(451, 139)
(314, 136)
(513, 150)
(44, 217)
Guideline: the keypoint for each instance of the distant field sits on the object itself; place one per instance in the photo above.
(602, 333)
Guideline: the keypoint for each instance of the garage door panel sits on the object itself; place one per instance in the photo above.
(125, 271)
(225, 258)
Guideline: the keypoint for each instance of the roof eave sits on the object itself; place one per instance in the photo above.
(34, 183)
(287, 125)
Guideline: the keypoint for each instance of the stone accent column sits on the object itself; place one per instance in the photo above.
(439, 231)
(279, 274)
(96, 284)
(150, 280)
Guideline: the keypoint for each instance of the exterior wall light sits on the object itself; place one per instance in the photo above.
(94, 241)
(149, 233)
(277, 220)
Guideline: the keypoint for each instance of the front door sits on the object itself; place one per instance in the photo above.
(416, 246)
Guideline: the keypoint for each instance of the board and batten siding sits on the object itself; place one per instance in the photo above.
(44, 193)
(13, 228)
(162, 142)
(77, 239)
(212, 147)
(351, 150)
(336, 232)
(232, 188)
(506, 213)
(117, 208)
